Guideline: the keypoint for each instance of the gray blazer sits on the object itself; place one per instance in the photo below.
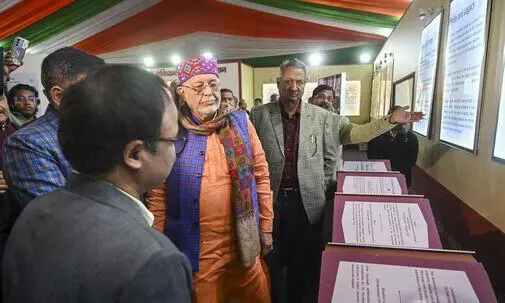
(88, 242)
(316, 152)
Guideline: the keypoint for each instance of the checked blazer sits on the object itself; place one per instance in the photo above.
(316, 152)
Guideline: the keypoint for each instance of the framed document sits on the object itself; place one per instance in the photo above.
(465, 58)
(396, 221)
(499, 140)
(354, 274)
(403, 91)
(372, 183)
(427, 74)
(382, 165)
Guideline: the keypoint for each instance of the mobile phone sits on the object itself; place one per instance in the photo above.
(2, 80)
(18, 50)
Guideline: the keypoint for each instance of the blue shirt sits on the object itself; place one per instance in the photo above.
(33, 160)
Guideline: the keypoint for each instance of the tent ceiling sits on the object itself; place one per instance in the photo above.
(125, 31)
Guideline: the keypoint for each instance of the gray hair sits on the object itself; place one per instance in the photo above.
(295, 63)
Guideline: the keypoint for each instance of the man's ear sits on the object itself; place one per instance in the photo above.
(310, 100)
(278, 82)
(180, 91)
(55, 95)
(132, 154)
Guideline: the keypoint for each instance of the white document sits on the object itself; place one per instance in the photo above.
(371, 185)
(464, 59)
(378, 283)
(427, 70)
(384, 223)
(365, 166)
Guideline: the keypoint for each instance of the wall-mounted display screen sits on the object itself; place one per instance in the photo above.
(426, 77)
(499, 141)
(464, 64)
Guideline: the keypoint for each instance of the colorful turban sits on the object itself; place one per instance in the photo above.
(196, 66)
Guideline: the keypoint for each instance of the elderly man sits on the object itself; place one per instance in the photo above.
(33, 162)
(216, 205)
(301, 153)
(92, 241)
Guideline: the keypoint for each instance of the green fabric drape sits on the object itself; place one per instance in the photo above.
(340, 14)
(342, 56)
(71, 15)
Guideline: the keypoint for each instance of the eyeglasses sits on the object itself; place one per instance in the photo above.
(214, 86)
(32, 99)
(178, 142)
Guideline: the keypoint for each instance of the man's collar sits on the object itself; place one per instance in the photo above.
(298, 108)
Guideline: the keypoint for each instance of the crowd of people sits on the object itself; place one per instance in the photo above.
(126, 190)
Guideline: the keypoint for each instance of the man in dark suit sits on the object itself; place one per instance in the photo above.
(92, 241)
(400, 146)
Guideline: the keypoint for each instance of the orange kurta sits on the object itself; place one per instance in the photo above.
(220, 276)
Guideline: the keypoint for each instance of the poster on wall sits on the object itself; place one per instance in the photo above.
(464, 66)
(229, 74)
(374, 106)
(427, 71)
(268, 90)
(403, 91)
(350, 105)
(499, 141)
(388, 85)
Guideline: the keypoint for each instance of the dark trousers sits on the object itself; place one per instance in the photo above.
(295, 261)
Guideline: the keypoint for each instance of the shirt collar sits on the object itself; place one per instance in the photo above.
(143, 209)
(298, 109)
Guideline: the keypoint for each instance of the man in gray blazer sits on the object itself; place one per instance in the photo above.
(92, 241)
(300, 142)
(301, 157)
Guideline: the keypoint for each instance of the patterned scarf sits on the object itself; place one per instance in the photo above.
(241, 167)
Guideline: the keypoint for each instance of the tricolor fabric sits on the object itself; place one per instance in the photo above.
(125, 30)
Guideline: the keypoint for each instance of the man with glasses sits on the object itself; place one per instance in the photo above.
(23, 104)
(33, 161)
(298, 139)
(92, 241)
(216, 205)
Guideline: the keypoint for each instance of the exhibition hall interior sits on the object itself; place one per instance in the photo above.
(377, 126)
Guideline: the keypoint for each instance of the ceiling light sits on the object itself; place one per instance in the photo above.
(208, 55)
(365, 58)
(315, 59)
(148, 61)
(176, 59)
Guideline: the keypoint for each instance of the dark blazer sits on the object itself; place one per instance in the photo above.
(88, 242)
(402, 150)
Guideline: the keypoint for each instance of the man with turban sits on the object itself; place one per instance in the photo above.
(216, 206)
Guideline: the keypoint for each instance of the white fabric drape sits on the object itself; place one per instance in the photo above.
(112, 16)
(222, 46)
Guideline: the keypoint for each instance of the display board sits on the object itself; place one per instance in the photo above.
(464, 65)
(403, 91)
(268, 90)
(350, 105)
(499, 141)
(427, 74)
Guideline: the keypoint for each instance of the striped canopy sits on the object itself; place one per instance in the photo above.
(125, 31)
